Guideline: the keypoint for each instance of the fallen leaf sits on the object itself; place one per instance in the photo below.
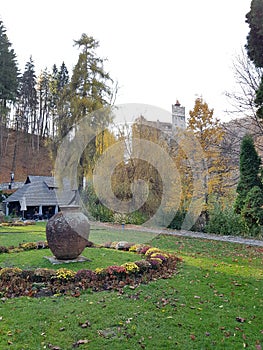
(85, 324)
(80, 342)
(192, 336)
(53, 347)
(107, 333)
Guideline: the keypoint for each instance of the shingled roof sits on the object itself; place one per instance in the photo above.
(41, 190)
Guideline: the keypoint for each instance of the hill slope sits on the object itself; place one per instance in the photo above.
(23, 154)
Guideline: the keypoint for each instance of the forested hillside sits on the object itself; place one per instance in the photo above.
(23, 154)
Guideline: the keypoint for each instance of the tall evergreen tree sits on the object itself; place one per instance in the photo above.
(43, 90)
(252, 211)
(63, 105)
(8, 78)
(249, 168)
(254, 45)
(27, 113)
(90, 90)
(63, 77)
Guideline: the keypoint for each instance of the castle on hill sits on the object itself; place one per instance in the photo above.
(178, 120)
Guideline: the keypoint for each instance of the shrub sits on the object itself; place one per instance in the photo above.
(87, 275)
(252, 211)
(136, 218)
(7, 273)
(178, 219)
(144, 249)
(155, 263)
(116, 270)
(143, 265)
(43, 274)
(225, 221)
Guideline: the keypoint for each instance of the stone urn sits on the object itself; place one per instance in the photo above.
(67, 232)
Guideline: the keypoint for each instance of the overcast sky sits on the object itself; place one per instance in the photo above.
(159, 51)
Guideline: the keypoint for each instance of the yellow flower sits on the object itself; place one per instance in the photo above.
(152, 250)
(10, 270)
(64, 273)
(131, 267)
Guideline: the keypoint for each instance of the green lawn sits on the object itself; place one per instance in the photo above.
(214, 302)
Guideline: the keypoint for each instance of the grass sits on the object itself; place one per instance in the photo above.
(99, 258)
(214, 302)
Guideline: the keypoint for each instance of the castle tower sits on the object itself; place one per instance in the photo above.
(178, 116)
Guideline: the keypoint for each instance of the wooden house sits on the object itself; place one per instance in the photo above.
(37, 198)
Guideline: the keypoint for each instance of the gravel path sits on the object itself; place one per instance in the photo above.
(231, 239)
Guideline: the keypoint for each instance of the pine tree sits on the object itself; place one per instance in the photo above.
(254, 45)
(63, 106)
(8, 78)
(43, 90)
(27, 110)
(255, 37)
(249, 168)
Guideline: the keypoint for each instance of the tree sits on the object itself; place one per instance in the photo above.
(254, 46)
(27, 109)
(247, 77)
(58, 102)
(209, 133)
(8, 78)
(252, 210)
(43, 90)
(249, 168)
(89, 91)
(89, 84)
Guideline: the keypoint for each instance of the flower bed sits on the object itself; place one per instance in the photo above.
(153, 264)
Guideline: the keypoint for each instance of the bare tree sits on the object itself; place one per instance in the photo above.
(248, 78)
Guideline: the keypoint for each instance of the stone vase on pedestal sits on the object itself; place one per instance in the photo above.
(67, 232)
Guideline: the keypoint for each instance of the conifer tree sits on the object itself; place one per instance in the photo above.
(89, 91)
(8, 78)
(63, 105)
(254, 45)
(90, 88)
(252, 210)
(249, 168)
(27, 110)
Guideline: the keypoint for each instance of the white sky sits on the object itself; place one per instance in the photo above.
(158, 50)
